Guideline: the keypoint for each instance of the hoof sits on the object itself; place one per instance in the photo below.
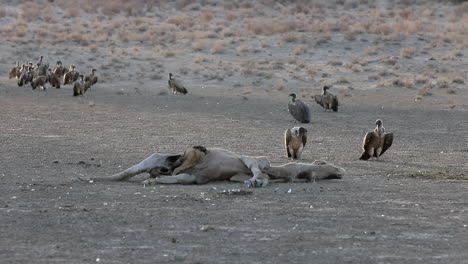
(253, 184)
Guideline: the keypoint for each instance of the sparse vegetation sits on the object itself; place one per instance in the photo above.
(407, 52)
(218, 46)
(298, 50)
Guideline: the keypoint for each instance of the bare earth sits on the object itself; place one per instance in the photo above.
(411, 206)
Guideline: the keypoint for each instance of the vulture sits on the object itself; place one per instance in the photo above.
(59, 70)
(327, 100)
(39, 81)
(176, 85)
(53, 79)
(295, 140)
(298, 109)
(40, 61)
(91, 78)
(14, 71)
(71, 76)
(376, 142)
(26, 77)
(78, 86)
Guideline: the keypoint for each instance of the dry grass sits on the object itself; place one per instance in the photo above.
(289, 37)
(7, 13)
(298, 50)
(199, 45)
(341, 80)
(206, 16)
(271, 26)
(218, 46)
(373, 77)
(372, 51)
(335, 63)
(398, 82)
(350, 36)
(200, 59)
(73, 9)
(442, 83)
(112, 7)
(244, 49)
(407, 52)
(29, 11)
(426, 90)
(451, 90)
(458, 80)
(280, 86)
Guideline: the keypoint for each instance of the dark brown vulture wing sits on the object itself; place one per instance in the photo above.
(318, 100)
(368, 138)
(334, 105)
(304, 139)
(388, 140)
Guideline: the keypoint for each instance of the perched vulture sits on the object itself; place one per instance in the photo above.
(295, 140)
(376, 142)
(298, 109)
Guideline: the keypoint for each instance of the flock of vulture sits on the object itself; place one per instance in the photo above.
(39, 74)
(375, 142)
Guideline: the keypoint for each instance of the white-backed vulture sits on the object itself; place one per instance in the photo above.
(22, 70)
(176, 85)
(91, 78)
(199, 165)
(71, 76)
(39, 81)
(78, 86)
(42, 69)
(59, 70)
(14, 71)
(327, 100)
(295, 140)
(299, 110)
(376, 142)
(40, 61)
(26, 77)
(87, 85)
(53, 79)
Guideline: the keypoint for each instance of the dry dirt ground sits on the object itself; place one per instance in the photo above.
(411, 206)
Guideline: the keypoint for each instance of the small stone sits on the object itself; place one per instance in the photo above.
(55, 161)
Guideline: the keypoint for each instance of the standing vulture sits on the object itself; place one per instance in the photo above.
(79, 86)
(298, 109)
(327, 100)
(91, 78)
(295, 140)
(376, 142)
(176, 85)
